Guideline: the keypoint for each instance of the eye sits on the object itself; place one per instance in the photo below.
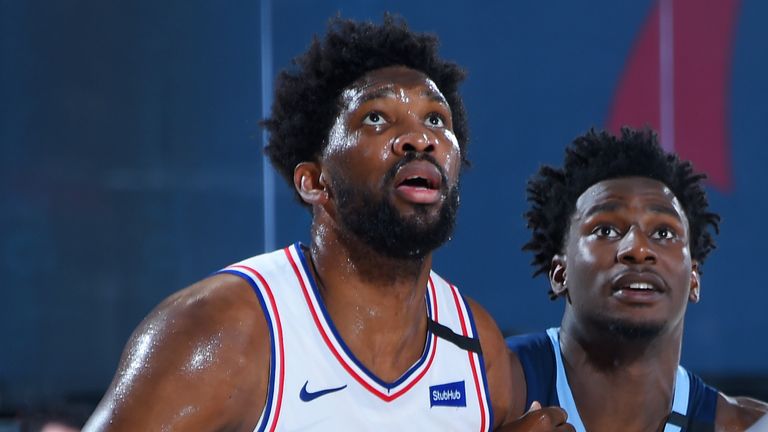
(435, 120)
(664, 233)
(374, 119)
(606, 231)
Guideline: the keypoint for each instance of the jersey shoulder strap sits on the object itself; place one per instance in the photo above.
(538, 360)
(702, 405)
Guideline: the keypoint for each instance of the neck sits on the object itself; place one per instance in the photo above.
(639, 375)
(340, 255)
(377, 303)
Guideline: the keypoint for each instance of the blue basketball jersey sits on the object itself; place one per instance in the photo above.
(693, 406)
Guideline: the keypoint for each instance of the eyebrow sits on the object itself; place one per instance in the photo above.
(605, 207)
(382, 92)
(612, 206)
(434, 96)
(388, 91)
(664, 209)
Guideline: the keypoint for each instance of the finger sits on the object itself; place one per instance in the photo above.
(556, 415)
(535, 405)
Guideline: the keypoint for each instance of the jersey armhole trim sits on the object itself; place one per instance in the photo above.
(271, 412)
(476, 360)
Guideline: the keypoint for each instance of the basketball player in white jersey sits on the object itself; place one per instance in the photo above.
(622, 230)
(352, 331)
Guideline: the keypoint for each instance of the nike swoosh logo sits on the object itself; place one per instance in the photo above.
(307, 396)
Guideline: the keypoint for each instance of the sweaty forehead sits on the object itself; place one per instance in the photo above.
(393, 81)
(401, 75)
(616, 194)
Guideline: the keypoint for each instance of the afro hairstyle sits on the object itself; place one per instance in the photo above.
(598, 156)
(307, 97)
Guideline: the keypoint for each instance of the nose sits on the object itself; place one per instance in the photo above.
(635, 248)
(415, 141)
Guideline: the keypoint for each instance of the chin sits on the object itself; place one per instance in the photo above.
(630, 330)
(392, 231)
(422, 218)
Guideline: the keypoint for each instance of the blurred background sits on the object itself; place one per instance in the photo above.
(131, 162)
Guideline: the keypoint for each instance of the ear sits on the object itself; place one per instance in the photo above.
(695, 293)
(557, 276)
(309, 183)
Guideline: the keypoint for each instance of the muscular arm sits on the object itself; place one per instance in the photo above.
(506, 384)
(738, 413)
(199, 361)
(506, 387)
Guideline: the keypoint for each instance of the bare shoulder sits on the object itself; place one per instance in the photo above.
(503, 383)
(198, 361)
(486, 326)
(738, 413)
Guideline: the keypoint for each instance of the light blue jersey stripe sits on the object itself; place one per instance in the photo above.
(564, 395)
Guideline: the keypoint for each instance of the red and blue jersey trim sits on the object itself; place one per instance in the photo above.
(476, 361)
(271, 413)
(378, 387)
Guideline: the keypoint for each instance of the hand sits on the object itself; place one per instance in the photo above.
(539, 419)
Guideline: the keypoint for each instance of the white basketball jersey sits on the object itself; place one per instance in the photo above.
(316, 383)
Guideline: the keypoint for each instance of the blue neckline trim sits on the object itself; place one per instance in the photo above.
(340, 341)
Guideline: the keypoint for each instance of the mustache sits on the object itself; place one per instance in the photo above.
(411, 157)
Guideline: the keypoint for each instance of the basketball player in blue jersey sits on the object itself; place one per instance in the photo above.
(352, 331)
(622, 231)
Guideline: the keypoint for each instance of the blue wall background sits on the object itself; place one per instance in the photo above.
(131, 164)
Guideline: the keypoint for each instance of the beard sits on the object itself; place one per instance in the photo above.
(376, 222)
(626, 330)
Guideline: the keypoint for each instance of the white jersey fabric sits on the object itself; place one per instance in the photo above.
(316, 383)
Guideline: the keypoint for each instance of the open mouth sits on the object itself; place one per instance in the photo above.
(419, 182)
(638, 287)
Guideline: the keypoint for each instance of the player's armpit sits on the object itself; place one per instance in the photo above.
(199, 361)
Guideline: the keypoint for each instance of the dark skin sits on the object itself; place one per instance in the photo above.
(627, 260)
(200, 360)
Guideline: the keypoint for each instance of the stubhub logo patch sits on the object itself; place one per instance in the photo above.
(450, 394)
